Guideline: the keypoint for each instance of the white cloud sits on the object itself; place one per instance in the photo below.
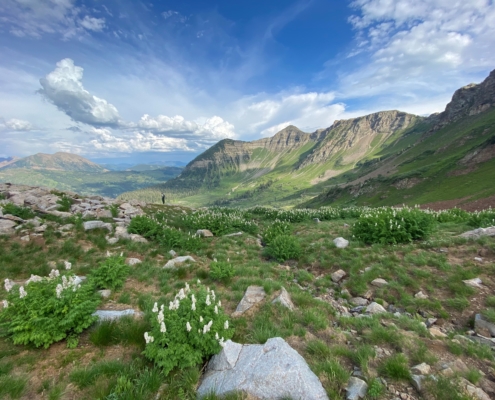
(63, 87)
(36, 18)
(15, 124)
(93, 24)
(214, 128)
(419, 48)
(168, 14)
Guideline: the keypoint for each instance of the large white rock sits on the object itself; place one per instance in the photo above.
(178, 260)
(477, 233)
(341, 243)
(270, 371)
(88, 225)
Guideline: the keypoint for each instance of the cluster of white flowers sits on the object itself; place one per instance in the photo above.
(174, 305)
(188, 326)
(66, 284)
(22, 292)
(8, 285)
(5, 303)
(68, 265)
(226, 325)
(34, 278)
(193, 305)
(207, 327)
(54, 273)
(148, 338)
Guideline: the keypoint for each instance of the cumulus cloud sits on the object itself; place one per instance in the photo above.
(63, 87)
(36, 18)
(20, 125)
(214, 128)
(413, 45)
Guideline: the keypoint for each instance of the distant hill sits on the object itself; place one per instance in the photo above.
(56, 162)
(4, 161)
(385, 158)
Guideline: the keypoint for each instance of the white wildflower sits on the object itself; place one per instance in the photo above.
(160, 317)
(213, 295)
(163, 328)
(226, 325)
(65, 283)
(22, 292)
(162, 307)
(155, 307)
(181, 295)
(148, 338)
(34, 278)
(59, 290)
(188, 289)
(216, 309)
(193, 306)
(208, 302)
(219, 303)
(216, 336)
(8, 285)
(171, 305)
(68, 265)
(200, 318)
(188, 326)
(221, 342)
(54, 273)
(5, 303)
(199, 282)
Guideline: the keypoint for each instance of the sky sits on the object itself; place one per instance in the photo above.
(129, 81)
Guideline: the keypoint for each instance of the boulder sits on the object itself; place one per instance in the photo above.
(418, 382)
(375, 308)
(253, 295)
(421, 369)
(7, 227)
(270, 371)
(178, 260)
(338, 275)
(204, 233)
(356, 388)
(359, 301)
(379, 282)
(284, 299)
(88, 225)
(477, 233)
(341, 243)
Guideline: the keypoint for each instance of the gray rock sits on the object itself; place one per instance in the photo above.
(270, 371)
(25, 238)
(482, 340)
(13, 218)
(483, 327)
(253, 295)
(172, 253)
(88, 225)
(420, 295)
(477, 233)
(476, 283)
(375, 308)
(178, 260)
(204, 233)
(418, 381)
(284, 299)
(40, 229)
(477, 393)
(421, 369)
(109, 315)
(359, 301)
(121, 232)
(7, 227)
(112, 240)
(132, 261)
(356, 388)
(234, 234)
(341, 243)
(379, 282)
(66, 227)
(60, 214)
(105, 293)
(316, 220)
(338, 275)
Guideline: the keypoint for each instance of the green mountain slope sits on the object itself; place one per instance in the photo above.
(56, 162)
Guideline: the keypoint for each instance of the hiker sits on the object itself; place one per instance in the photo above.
(163, 198)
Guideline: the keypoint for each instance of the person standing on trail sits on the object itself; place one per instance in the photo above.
(163, 198)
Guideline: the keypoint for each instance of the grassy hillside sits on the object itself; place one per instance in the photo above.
(110, 184)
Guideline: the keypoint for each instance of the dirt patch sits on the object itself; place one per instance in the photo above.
(329, 173)
(463, 203)
(407, 183)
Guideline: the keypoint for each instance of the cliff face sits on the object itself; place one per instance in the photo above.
(354, 138)
(469, 100)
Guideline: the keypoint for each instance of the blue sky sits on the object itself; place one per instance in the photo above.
(134, 81)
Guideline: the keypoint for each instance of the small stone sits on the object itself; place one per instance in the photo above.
(172, 253)
(253, 295)
(421, 369)
(341, 243)
(420, 295)
(338, 275)
(483, 327)
(112, 240)
(430, 322)
(132, 261)
(25, 238)
(66, 227)
(356, 388)
(316, 220)
(105, 293)
(435, 332)
(40, 229)
(379, 282)
(417, 382)
(474, 283)
(178, 260)
(204, 233)
(375, 308)
(479, 259)
(284, 299)
(359, 301)
(234, 234)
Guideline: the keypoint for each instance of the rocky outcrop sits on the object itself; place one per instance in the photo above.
(270, 371)
(469, 100)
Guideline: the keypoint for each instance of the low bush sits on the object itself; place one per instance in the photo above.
(192, 328)
(482, 219)
(145, 226)
(283, 248)
(18, 211)
(47, 310)
(64, 203)
(111, 274)
(392, 226)
(221, 271)
(277, 228)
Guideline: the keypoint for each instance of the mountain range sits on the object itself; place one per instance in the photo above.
(385, 158)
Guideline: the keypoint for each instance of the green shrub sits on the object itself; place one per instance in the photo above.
(114, 210)
(64, 203)
(395, 367)
(221, 271)
(192, 328)
(144, 226)
(18, 211)
(482, 219)
(392, 226)
(277, 228)
(220, 221)
(375, 389)
(48, 310)
(283, 248)
(111, 274)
